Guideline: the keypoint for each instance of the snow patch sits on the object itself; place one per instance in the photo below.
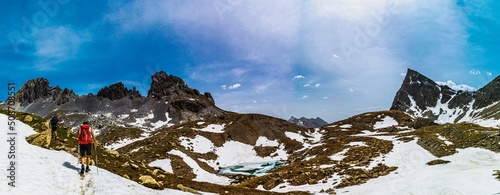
(263, 141)
(213, 128)
(165, 164)
(198, 144)
(386, 122)
(201, 174)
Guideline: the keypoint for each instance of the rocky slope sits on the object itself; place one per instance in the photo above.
(308, 122)
(422, 97)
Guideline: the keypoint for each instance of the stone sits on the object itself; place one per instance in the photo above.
(113, 152)
(28, 118)
(187, 189)
(149, 182)
(40, 139)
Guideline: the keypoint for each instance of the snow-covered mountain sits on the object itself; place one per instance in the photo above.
(308, 122)
(422, 97)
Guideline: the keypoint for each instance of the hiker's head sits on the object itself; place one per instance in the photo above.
(86, 123)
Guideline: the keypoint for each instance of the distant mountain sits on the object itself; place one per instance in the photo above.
(422, 97)
(308, 122)
(169, 101)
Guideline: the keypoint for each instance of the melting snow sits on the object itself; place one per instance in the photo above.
(213, 128)
(345, 126)
(386, 122)
(165, 164)
(263, 141)
(295, 136)
(201, 174)
(199, 144)
(470, 172)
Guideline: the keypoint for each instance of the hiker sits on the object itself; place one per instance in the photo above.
(53, 125)
(86, 137)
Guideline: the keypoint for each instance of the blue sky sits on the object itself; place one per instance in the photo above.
(326, 58)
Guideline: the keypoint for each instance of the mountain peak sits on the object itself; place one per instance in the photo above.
(308, 123)
(39, 88)
(417, 87)
(118, 91)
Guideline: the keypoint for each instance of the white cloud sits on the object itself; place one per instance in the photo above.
(326, 97)
(489, 73)
(456, 87)
(474, 72)
(305, 97)
(317, 85)
(351, 90)
(307, 85)
(235, 86)
(298, 77)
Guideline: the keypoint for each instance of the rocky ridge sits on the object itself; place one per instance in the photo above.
(308, 122)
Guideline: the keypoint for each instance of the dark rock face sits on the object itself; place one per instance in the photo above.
(118, 91)
(170, 86)
(308, 123)
(32, 90)
(488, 94)
(39, 88)
(424, 91)
(425, 94)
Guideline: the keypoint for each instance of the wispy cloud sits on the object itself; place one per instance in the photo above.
(298, 77)
(235, 86)
(454, 86)
(474, 72)
(55, 45)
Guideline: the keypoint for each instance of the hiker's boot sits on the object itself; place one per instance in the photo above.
(87, 169)
(82, 169)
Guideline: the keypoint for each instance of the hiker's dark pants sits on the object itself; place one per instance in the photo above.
(85, 149)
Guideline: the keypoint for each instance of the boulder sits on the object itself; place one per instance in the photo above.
(149, 182)
(40, 139)
(113, 152)
(187, 189)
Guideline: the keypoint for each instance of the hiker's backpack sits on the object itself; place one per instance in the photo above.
(85, 136)
(54, 120)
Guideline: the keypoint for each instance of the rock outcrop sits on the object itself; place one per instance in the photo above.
(171, 87)
(39, 88)
(118, 91)
(308, 122)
